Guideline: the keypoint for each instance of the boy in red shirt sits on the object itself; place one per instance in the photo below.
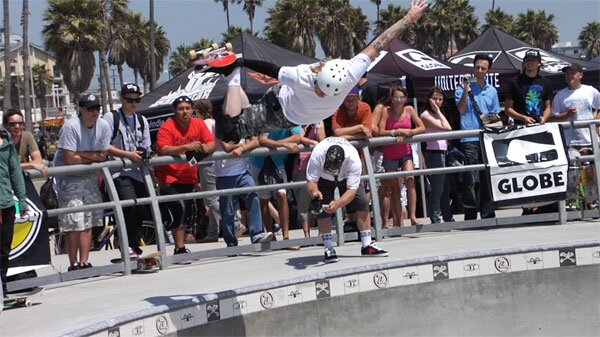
(180, 134)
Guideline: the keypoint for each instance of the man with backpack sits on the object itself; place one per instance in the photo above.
(130, 140)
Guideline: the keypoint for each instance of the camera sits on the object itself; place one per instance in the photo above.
(470, 79)
(145, 153)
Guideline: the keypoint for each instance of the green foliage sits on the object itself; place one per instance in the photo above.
(536, 28)
(589, 38)
(180, 59)
(499, 19)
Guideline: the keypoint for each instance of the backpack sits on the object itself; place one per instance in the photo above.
(117, 121)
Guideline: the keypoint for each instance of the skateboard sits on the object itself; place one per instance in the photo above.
(582, 187)
(149, 263)
(214, 56)
(145, 264)
(21, 299)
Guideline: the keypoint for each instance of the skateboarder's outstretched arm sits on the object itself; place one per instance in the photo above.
(384, 39)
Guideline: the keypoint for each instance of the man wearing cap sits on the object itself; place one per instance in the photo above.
(474, 98)
(83, 140)
(529, 94)
(353, 119)
(131, 140)
(181, 134)
(576, 102)
(307, 93)
(335, 163)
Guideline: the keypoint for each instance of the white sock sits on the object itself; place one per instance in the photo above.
(235, 78)
(327, 240)
(365, 237)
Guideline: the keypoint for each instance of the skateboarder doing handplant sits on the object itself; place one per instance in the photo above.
(306, 93)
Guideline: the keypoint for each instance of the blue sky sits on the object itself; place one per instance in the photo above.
(187, 21)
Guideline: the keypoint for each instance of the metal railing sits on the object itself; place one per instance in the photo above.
(153, 200)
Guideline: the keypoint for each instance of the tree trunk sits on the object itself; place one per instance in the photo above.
(6, 104)
(152, 48)
(26, 69)
(120, 70)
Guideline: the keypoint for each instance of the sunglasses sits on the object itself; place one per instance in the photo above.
(399, 99)
(94, 108)
(132, 100)
(13, 124)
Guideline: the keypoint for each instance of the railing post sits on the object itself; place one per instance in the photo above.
(156, 216)
(119, 219)
(339, 221)
(374, 193)
(596, 149)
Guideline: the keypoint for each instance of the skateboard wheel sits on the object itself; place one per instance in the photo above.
(228, 46)
(215, 46)
(28, 303)
(193, 54)
(140, 265)
(205, 54)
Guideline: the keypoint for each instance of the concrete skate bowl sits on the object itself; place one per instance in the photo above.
(541, 292)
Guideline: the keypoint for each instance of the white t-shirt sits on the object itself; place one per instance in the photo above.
(586, 98)
(297, 96)
(351, 168)
(232, 166)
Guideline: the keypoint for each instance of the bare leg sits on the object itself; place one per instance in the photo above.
(85, 240)
(266, 215)
(284, 214)
(179, 235)
(72, 246)
(411, 194)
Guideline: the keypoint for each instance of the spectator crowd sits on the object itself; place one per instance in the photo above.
(191, 131)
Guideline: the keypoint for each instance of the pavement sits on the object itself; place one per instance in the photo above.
(81, 307)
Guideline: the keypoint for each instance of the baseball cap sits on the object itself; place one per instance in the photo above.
(129, 88)
(575, 66)
(532, 53)
(89, 100)
(181, 99)
(354, 92)
(334, 159)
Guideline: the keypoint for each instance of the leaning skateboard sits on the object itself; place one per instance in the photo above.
(22, 299)
(145, 264)
(149, 263)
(214, 56)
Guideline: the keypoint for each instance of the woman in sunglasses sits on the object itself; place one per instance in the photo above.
(29, 153)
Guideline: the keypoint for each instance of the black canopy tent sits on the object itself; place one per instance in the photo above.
(508, 51)
(156, 105)
(420, 72)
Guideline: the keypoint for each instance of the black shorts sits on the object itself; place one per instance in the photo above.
(327, 188)
(264, 116)
(176, 213)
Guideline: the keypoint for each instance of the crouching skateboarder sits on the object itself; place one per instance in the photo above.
(305, 94)
(335, 163)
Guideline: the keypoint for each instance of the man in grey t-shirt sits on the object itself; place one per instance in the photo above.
(83, 140)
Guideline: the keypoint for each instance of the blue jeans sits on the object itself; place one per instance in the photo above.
(473, 156)
(229, 203)
(439, 201)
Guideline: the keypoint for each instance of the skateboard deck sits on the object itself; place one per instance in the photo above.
(22, 299)
(149, 263)
(214, 56)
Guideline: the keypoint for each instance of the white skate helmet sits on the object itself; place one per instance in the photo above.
(333, 77)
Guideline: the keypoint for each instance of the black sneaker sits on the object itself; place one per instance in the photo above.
(330, 256)
(181, 250)
(74, 267)
(373, 250)
(86, 265)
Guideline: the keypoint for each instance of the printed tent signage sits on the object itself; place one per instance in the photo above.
(30, 249)
(527, 166)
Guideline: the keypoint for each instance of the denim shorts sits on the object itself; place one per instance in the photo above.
(396, 164)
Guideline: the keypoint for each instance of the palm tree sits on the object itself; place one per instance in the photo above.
(73, 32)
(499, 19)
(250, 9)
(26, 69)
(377, 4)
(295, 32)
(338, 31)
(225, 9)
(6, 104)
(589, 38)
(42, 81)
(161, 50)
(537, 28)
(113, 12)
(389, 16)
(234, 31)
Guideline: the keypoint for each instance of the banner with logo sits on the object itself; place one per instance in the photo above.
(30, 248)
(527, 165)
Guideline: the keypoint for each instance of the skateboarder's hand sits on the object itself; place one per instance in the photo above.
(416, 10)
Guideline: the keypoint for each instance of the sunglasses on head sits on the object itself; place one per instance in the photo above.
(132, 100)
(13, 124)
(182, 99)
